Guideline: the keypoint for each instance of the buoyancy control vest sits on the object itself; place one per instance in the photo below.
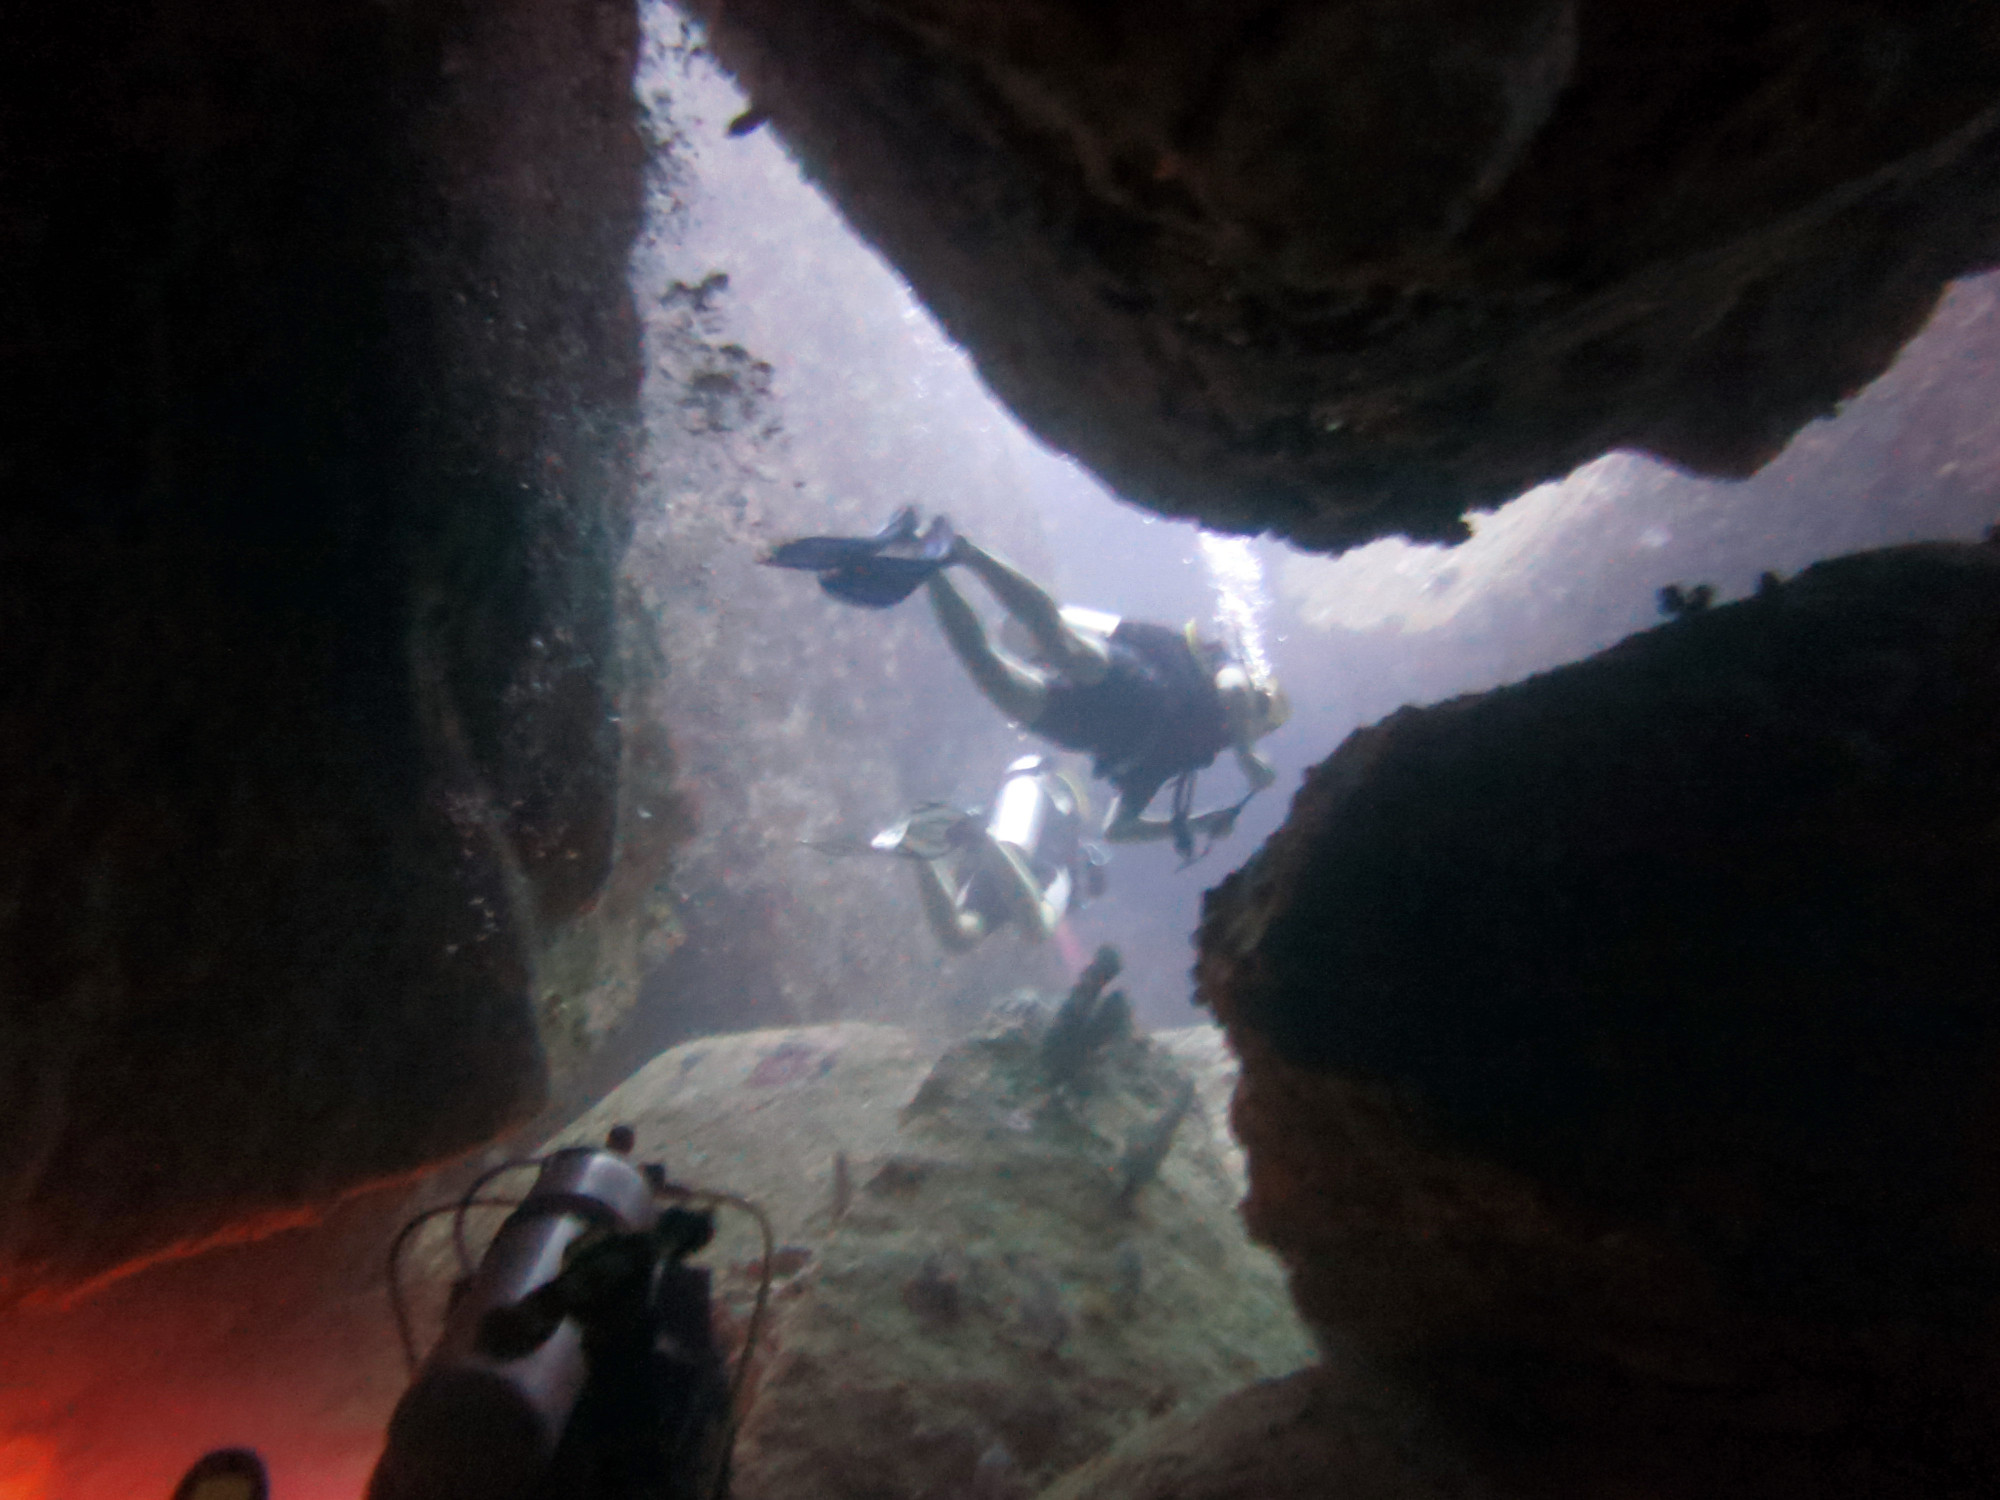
(1155, 714)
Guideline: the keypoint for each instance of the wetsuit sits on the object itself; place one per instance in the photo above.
(1155, 714)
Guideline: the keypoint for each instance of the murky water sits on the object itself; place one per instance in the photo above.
(808, 393)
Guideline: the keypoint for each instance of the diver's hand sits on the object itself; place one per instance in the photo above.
(1259, 772)
(1218, 824)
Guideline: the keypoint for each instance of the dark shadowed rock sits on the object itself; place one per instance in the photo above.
(321, 378)
(1620, 1047)
(1345, 270)
(1314, 1435)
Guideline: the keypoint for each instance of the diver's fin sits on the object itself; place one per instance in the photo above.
(902, 527)
(931, 831)
(816, 554)
(878, 582)
(875, 571)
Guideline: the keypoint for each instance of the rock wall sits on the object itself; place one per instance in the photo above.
(794, 387)
(1314, 1435)
(794, 718)
(321, 386)
(1619, 1048)
(1345, 271)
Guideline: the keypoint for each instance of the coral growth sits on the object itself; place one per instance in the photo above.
(1088, 1021)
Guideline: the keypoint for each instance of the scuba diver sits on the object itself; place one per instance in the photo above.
(1150, 704)
(1026, 864)
(579, 1357)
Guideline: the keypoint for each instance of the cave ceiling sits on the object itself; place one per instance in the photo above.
(1347, 271)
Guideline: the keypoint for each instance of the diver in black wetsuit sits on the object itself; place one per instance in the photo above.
(1151, 704)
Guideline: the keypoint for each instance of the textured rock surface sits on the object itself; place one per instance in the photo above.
(795, 717)
(1202, 1052)
(1311, 1435)
(974, 1311)
(1619, 1047)
(322, 379)
(1344, 270)
(792, 387)
(763, 1114)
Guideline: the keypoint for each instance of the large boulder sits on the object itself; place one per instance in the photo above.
(1001, 1300)
(1319, 1434)
(1345, 270)
(323, 377)
(1619, 1048)
(985, 1275)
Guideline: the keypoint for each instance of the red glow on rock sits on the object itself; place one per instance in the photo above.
(49, 1293)
(281, 1342)
(27, 1468)
(243, 1232)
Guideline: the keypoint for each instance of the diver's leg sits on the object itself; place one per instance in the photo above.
(1079, 657)
(956, 928)
(1039, 911)
(1127, 822)
(1017, 691)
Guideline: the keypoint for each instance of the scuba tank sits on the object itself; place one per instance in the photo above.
(578, 1363)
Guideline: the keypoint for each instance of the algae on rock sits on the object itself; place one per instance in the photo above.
(963, 1305)
(991, 1310)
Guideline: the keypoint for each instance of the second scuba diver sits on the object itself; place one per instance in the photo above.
(1024, 862)
(1151, 704)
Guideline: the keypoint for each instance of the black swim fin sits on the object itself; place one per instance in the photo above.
(818, 554)
(875, 571)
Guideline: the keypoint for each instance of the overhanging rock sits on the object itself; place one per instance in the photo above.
(1344, 271)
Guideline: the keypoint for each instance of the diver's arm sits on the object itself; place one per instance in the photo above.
(958, 929)
(1130, 828)
(1129, 825)
(1259, 772)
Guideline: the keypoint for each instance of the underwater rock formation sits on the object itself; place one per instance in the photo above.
(992, 1309)
(1619, 1048)
(589, 969)
(1086, 1023)
(1345, 271)
(323, 377)
(794, 716)
(1315, 1435)
(766, 1114)
(978, 1310)
(1202, 1053)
